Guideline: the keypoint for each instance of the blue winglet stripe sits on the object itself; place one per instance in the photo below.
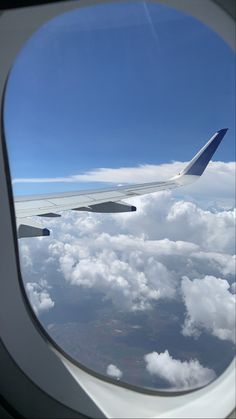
(198, 166)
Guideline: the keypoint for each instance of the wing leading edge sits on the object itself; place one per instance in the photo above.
(108, 200)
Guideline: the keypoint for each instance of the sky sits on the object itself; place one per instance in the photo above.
(117, 93)
(116, 85)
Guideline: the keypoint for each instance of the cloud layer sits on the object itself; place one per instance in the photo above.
(210, 307)
(218, 180)
(169, 250)
(142, 173)
(179, 374)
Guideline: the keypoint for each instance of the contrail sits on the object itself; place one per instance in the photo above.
(153, 30)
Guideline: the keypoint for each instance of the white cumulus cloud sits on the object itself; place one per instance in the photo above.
(114, 371)
(179, 374)
(138, 258)
(39, 297)
(218, 180)
(210, 307)
(161, 216)
(120, 266)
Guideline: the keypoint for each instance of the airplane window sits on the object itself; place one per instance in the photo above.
(105, 97)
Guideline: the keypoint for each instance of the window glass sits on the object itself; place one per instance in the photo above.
(118, 94)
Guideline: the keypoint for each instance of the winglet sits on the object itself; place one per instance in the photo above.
(198, 164)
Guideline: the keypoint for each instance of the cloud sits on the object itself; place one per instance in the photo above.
(39, 297)
(162, 216)
(128, 274)
(210, 307)
(138, 174)
(141, 173)
(179, 374)
(218, 179)
(114, 372)
(128, 257)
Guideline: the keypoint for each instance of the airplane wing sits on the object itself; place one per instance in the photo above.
(109, 200)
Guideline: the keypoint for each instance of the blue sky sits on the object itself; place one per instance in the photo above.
(116, 85)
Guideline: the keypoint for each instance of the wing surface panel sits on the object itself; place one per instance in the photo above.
(26, 207)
